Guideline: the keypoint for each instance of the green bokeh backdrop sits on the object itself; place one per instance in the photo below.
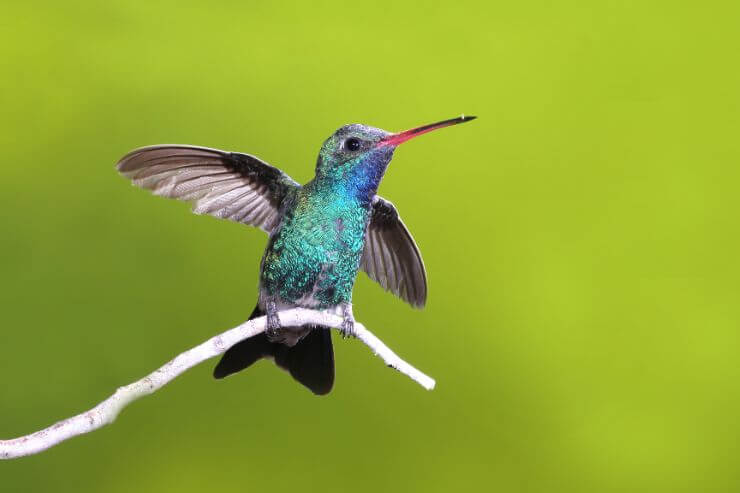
(581, 241)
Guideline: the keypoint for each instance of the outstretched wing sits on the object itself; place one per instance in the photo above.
(391, 256)
(229, 185)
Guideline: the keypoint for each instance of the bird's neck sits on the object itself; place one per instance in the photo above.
(354, 182)
(345, 191)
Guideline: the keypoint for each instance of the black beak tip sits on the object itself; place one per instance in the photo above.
(464, 118)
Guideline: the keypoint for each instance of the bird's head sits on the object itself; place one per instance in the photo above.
(356, 156)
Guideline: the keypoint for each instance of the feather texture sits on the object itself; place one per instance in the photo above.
(391, 257)
(228, 185)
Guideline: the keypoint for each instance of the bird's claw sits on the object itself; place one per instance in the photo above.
(273, 322)
(348, 324)
(348, 328)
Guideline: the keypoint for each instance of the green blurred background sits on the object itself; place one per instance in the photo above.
(580, 238)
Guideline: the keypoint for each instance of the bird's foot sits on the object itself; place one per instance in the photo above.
(348, 324)
(273, 322)
(348, 328)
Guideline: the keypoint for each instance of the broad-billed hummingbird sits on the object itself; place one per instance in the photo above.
(320, 234)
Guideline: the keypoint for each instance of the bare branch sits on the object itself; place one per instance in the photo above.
(106, 412)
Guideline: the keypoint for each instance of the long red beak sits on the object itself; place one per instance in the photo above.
(401, 137)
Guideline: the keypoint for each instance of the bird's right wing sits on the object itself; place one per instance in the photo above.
(224, 184)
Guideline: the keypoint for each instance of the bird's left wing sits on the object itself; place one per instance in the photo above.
(224, 184)
(391, 257)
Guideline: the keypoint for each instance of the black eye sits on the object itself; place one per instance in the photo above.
(352, 144)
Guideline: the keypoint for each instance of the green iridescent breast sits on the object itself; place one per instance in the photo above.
(314, 255)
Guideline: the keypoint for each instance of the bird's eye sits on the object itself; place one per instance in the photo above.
(352, 144)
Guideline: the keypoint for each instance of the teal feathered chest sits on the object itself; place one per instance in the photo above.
(314, 254)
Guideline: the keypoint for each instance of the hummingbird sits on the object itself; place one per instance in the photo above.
(320, 235)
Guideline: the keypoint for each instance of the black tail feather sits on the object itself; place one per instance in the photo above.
(310, 361)
(242, 354)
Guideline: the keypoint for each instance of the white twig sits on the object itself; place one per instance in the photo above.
(106, 412)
